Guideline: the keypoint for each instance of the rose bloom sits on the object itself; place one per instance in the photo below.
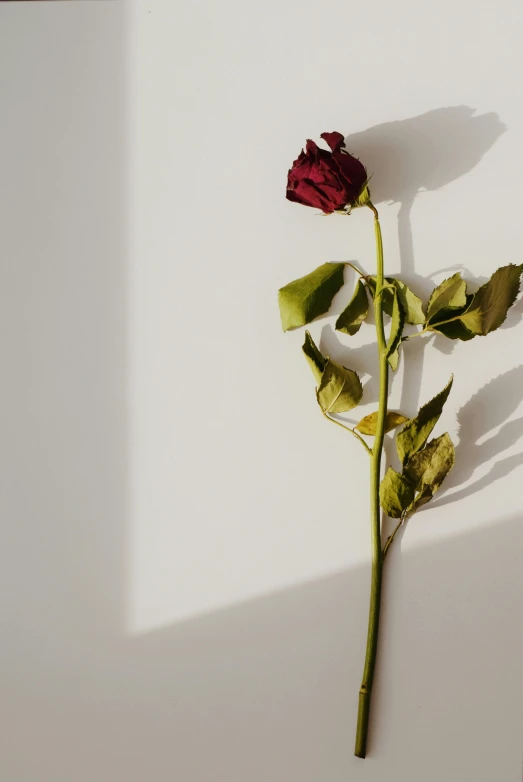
(326, 180)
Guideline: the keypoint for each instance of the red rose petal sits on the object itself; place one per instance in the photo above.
(334, 139)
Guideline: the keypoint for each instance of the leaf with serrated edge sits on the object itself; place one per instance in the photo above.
(394, 358)
(305, 299)
(451, 293)
(428, 468)
(340, 389)
(396, 493)
(314, 358)
(431, 464)
(350, 320)
(415, 433)
(367, 425)
(396, 330)
(421, 499)
(412, 305)
(491, 302)
(455, 328)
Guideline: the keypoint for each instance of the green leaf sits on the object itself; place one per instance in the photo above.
(455, 329)
(412, 305)
(340, 389)
(309, 297)
(415, 433)
(367, 425)
(491, 302)
(430, 465)
(450, 294)
(424, 496)
(396, 493)
(315, 359)
(350, 320)
(397, 304)
(393, 359)
(396, 330)
(428, 468)
(485, 310)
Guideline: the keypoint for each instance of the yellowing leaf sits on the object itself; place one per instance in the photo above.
(315, 359)
(368, 424)
(450, 294)
(350, 320)
(415, 433)
(340, 389)
(396, 493)
(305, 299)
(491, 302)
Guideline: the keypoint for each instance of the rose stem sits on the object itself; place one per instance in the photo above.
(377, 556)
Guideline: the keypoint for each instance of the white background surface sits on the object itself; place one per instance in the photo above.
(185, 540)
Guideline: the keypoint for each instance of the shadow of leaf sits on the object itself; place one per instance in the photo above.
(421, 153)
(404, 158)
(487, 409)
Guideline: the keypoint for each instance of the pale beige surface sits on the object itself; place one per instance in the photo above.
(184, 559)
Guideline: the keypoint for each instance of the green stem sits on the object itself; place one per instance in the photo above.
(377, 555)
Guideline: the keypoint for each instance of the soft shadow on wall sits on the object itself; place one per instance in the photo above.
(422, 153)
(267, 690)
(262, 691)
(478, 445)
(63, 468)
(407, 157)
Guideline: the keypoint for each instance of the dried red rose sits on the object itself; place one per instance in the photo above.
(326, 180)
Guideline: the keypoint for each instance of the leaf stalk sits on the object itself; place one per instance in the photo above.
(347, 429)
(392, 536)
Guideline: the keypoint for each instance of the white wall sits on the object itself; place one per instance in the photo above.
(185, 540)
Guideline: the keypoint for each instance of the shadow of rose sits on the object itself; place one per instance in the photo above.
(425, 152)
(419, 154)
